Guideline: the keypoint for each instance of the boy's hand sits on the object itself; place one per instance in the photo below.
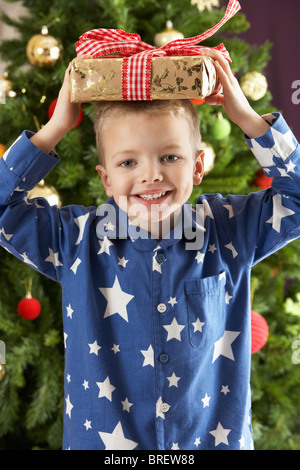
(66, 114)
(64, 118)
(234, 101)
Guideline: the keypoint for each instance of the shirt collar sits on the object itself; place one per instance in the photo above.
(113, 223)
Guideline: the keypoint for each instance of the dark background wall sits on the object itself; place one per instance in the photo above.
(279, 21)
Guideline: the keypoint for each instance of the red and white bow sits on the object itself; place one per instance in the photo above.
(137, 55)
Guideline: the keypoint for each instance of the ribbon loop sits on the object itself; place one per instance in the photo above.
(136, 73)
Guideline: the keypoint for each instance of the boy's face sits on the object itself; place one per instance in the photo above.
(149, 167)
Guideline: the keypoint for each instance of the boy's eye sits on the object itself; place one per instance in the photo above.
(127, 163)
(170, 158)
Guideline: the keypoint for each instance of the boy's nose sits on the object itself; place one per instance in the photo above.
(151, 173)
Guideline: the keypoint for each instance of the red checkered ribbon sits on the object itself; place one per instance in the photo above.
(137, 55)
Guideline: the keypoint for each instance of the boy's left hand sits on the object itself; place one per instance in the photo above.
(234, 101)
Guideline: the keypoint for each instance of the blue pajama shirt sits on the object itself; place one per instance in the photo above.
(156, 335)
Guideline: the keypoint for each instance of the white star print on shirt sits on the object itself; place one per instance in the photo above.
(116, 440)
(230, 210)
(155, 265)
(223, 345)
(88, 424)
(198, 325)
(53, 258)
(69, 406)
(69, 311)
(161, 408)
(174, 330)
(5, 155)
(173, 380)
(149, 356)
(105, 389)
(197, 441)
(199, 257)
(126, 405)
(75, 265)
(227, 297)
(81, 221)
(205, 400)
(232, 249)
(27, 260)
(284, 145)
(290, 167)
(117, 300)
(105, 244)
(263, 155)
(172, 301)
(122, 262)
(279, 212)
(94, 348)
(109, 226)
(225, 389)
(220, 434)
(7, 236)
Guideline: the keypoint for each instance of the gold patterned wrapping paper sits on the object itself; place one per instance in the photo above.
(175, 77)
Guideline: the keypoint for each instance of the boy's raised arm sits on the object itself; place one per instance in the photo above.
(234, 101)
(65, 117)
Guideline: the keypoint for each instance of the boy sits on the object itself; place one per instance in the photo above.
(156, 330)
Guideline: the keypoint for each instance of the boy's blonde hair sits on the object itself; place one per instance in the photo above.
(177, 108)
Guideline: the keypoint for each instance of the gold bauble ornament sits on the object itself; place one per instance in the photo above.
(209, 157)
(2, 371)
(6, 88)
(2, 150)
(47, 192)
(254, 85)
(169, 34)
(43, 50)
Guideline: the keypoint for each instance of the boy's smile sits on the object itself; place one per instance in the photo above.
(150, 167)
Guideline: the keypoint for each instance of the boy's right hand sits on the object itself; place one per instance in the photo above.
(234, 101)
(64, 118)
(66, 114)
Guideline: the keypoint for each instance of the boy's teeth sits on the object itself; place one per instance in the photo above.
(152, 196)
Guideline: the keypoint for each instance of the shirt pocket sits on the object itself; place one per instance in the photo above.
(205, 309)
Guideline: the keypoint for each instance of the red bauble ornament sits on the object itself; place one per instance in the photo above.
(29, 308)
(196, 102)
(259, 331)
(262, 181)
(52, 108)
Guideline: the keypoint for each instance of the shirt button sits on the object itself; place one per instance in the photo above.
(160, 257)
(161, 308)
(165, 407)
(164, 358)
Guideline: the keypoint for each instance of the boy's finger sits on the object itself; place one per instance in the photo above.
(215, 100)
(223, 76)
(217, 56)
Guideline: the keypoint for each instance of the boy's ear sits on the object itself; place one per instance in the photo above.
(198, 168)
(105, 179)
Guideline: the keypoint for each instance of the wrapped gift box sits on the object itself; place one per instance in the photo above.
(175, 77)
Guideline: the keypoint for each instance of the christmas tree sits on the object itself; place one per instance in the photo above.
(31, 381)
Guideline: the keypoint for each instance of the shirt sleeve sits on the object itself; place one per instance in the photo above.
(39, 234)
(262, 222)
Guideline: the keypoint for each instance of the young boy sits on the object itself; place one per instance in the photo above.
(156, 329)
